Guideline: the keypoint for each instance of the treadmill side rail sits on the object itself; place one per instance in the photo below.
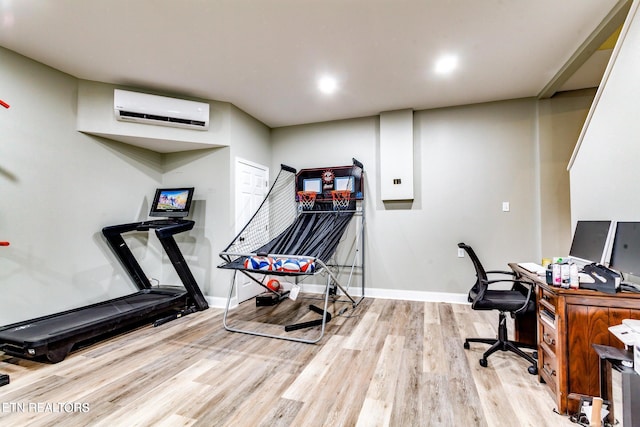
(165, 232)
(113, 234)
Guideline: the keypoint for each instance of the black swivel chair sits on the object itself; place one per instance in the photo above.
(518, 299)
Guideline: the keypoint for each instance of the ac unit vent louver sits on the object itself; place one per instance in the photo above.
(160, 110)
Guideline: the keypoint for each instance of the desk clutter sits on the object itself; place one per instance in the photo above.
(569, 322)
(569, 275)
(581, 300)
(604, 256)
(593, 276)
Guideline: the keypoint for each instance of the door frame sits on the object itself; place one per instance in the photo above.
(241, 278)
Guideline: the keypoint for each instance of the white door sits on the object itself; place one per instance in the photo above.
(252, 185)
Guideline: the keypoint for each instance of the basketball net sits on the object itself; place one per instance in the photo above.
(341, 199)
(306, 200)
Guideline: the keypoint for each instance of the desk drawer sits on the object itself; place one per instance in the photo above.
(548, 336)
(548, 368)
(548, 300)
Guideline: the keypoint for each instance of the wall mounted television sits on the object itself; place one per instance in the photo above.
(172, 202)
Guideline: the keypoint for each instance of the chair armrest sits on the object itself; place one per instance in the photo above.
(514, 281)
(529, 294)
(509, 273)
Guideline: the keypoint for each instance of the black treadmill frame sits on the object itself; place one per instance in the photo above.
(31, 339)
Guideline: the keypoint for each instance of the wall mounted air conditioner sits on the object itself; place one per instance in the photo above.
(160, 110)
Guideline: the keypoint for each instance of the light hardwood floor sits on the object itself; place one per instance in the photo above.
(391, 363)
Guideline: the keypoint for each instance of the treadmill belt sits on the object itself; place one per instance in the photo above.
(83, 323)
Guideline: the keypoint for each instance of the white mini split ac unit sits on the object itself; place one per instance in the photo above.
(160, 110)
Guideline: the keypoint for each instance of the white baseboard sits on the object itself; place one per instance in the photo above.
(220, 302)
(448, 297)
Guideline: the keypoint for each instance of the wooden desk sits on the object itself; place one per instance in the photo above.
(569, 322)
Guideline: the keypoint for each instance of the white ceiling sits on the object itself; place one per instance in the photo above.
(265, 56)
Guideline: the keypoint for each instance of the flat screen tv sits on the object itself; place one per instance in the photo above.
(172, 202)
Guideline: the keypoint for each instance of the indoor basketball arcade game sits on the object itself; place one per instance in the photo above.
(301, 230)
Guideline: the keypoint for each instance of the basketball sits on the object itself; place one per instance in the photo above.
(307, 266)
(266, 263)
(249, 265)
(277, 265)
(258, 263)
(291, 265)
(273, 284)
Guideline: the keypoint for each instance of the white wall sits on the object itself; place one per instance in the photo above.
(212, 172)
(208, 171)
(64, 186)
(473, 159)
(560, 122)
(605, 174)
(469, 160)
(59, 188)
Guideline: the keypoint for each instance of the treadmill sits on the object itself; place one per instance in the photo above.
(52, 337)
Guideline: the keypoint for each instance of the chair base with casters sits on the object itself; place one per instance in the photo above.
(504, 344)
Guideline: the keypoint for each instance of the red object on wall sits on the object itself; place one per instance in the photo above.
(4, 104)
(4, 243)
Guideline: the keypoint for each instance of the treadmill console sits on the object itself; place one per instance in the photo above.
(172, 202)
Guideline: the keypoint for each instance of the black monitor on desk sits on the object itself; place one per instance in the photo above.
(591, 242)
(625, 253)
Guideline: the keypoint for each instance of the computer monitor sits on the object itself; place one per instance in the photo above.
(172, 202)
(591, 242)
(625, 253)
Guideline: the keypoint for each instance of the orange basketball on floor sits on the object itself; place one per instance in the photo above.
(273, 284)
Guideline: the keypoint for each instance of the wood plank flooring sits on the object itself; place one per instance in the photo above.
(386, 363)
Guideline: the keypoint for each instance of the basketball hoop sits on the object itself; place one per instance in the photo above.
(341, 199)
(306, 200)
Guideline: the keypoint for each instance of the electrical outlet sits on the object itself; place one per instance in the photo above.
(460, 253)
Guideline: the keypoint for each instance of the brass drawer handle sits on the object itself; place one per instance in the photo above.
(548, 339)
(547, 368)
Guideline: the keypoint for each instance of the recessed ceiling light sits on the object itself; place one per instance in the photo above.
(446, 64)
(327, 85)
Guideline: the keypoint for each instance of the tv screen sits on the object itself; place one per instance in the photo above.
(625, 254)
(172, 202)
(590, 241)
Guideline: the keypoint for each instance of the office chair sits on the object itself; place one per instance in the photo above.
(517, 300)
